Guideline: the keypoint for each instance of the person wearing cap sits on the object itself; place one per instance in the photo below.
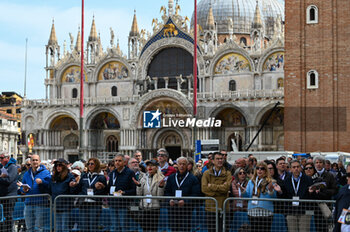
(162, 158)
(181, 184)
(34, 181)
(8, 187)
(151, 184)
(60, 185)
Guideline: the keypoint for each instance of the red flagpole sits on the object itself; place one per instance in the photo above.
(195, 61)
(81, 80)
(82, 62)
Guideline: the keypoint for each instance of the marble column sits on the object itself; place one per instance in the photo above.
(155, 82)
(166, 79)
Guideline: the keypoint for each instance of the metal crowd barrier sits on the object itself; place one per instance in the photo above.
(159, 214)
(288, 215)
(135, 213)
(26, 213)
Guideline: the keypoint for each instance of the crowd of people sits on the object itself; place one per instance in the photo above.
(313, 178)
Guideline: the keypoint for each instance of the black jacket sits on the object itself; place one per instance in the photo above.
(331, 189)
(303, 193)
(342, 202)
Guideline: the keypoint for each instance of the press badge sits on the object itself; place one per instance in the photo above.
(148, 200)
(239, 204)
(255, 202)
(112, 190)
(343, 216)
(178, 193)
(90, 192)
(296, 202)
(117, 194)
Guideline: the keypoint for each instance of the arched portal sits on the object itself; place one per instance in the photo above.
(234, 128)
(168, 64)
(172, 142)
(104, 135)
(271, 134)
(63, 122)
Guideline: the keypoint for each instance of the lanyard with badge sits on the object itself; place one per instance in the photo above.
(112, 190)
(257, 184)
(178, 193)
(296, 203)
(148, 200)
(90, 190)
(239, 203)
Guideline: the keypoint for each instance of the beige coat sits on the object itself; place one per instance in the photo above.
(219, 187)
(153, 190)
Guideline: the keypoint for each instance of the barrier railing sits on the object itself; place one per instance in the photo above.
(26, 213)
(277, 215)
(170, 214)
(135, 213)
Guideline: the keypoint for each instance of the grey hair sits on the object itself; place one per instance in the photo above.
(120, 155)
(27, 160)
(130, 160)
(182, 158)
(319, 158)
(163, 150)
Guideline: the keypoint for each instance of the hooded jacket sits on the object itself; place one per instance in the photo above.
(30, 177)
(8, 186)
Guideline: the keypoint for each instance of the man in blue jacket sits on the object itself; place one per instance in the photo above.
(8, 187)
(181, 184)
(121, 184)
(34, 206)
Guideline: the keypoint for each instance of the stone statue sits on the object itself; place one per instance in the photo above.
(71, 41)
(112, 37)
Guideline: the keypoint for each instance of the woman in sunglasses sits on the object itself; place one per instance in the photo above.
(238, 185)
(59, 185)
(262, 185)
(91, 183)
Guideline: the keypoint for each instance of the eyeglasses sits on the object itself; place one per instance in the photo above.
(260, 168)
(59, 165)
(308, 168)
(270, 168)
(134, 162)
(2, 157)
(90, 164)
(28, 165)
(242, 173)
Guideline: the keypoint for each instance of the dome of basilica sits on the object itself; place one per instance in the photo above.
(242, 14)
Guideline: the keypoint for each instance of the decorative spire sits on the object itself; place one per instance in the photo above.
(257, 22)
(118, 47)
(93, 32)
(134, 28)
(53, 38)
(210, 19)
(78, 43)
(100, 48)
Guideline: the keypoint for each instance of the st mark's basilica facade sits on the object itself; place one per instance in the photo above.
(240, 80)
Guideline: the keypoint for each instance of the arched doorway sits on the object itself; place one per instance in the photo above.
(168, 64)
(104, 135)
(234, 127)
(63, 133)
(172, 142)
(271, 133)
